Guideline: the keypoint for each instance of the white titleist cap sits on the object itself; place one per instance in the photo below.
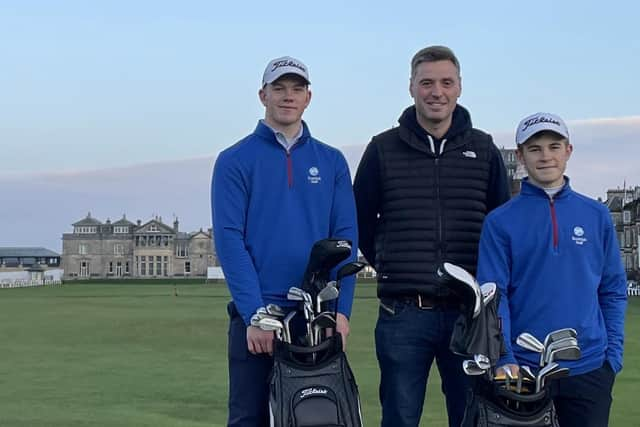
(539, 122)
(284, 65)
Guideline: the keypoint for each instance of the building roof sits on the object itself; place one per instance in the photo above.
(124, 221)
(87, 221)
(15, 252)
(614, 204)
(162, 227)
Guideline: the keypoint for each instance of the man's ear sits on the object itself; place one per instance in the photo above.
(308, 97)
(263, 96)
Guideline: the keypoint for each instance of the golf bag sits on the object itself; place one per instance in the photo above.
(492, 405)
(322, 393)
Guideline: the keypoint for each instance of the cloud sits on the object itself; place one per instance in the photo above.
(37, 208)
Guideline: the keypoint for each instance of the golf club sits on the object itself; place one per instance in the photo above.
(529, 342)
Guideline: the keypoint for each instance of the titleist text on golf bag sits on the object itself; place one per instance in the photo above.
(321, 394)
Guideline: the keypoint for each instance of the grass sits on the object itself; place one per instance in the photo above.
(134, 354)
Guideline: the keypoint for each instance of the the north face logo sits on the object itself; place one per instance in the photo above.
(469, 154)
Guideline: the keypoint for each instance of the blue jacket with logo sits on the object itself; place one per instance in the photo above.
(270, 206)
(557, 264)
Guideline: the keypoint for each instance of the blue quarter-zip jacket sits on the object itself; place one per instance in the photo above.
(557, 264)
(270, 206)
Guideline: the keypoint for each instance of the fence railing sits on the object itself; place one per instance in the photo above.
(29, 283)
(633, 292)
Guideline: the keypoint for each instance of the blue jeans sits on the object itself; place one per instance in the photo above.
(407, 340)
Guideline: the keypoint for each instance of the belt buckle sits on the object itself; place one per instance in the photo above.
(422, 306)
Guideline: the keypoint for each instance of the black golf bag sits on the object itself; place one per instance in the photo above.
(493, 405)
(320, 393)
(492, 402)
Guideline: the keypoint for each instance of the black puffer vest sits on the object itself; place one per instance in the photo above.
(433, 207)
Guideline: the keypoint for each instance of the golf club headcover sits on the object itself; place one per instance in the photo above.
(325, 255)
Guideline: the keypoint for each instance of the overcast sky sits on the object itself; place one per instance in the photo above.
(87, 86)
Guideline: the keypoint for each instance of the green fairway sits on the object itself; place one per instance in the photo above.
(135, 354)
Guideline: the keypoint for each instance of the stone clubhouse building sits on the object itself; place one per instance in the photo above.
(123, 249)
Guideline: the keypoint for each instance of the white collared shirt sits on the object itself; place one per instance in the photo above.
(282, 138)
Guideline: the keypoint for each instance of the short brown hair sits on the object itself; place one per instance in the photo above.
(433, 54)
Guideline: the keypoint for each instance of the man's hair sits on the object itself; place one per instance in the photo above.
(433, 54)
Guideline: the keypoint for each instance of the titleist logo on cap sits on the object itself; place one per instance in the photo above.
(539, 122)
(539, 119)
(287, 63)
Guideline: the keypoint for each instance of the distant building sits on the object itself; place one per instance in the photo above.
(124, 249)
(515, 170)
(624, 205)
(28, 265)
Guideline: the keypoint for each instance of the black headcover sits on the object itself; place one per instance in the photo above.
(481, 335)
(325, 255)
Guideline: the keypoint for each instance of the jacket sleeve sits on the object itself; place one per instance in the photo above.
(229, 205)
(367, 190)
(612, 295)
(343, 225)
(494, 260)
(499, 190)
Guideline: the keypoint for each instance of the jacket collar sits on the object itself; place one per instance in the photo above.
(266, 132)
(416, 136)
(528, 189)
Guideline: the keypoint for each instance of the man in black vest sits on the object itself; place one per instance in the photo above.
(422, 191)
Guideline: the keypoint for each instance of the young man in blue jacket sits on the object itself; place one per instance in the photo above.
(555, 257)
(274, 194)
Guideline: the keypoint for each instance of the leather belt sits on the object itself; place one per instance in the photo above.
(428, 302)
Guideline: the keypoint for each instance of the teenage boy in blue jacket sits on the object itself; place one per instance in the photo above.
(555, 257)
(274, 194)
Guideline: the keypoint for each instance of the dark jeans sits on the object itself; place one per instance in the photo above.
(248, 378)
(249, 374)
(584, 400)
(407, 341)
